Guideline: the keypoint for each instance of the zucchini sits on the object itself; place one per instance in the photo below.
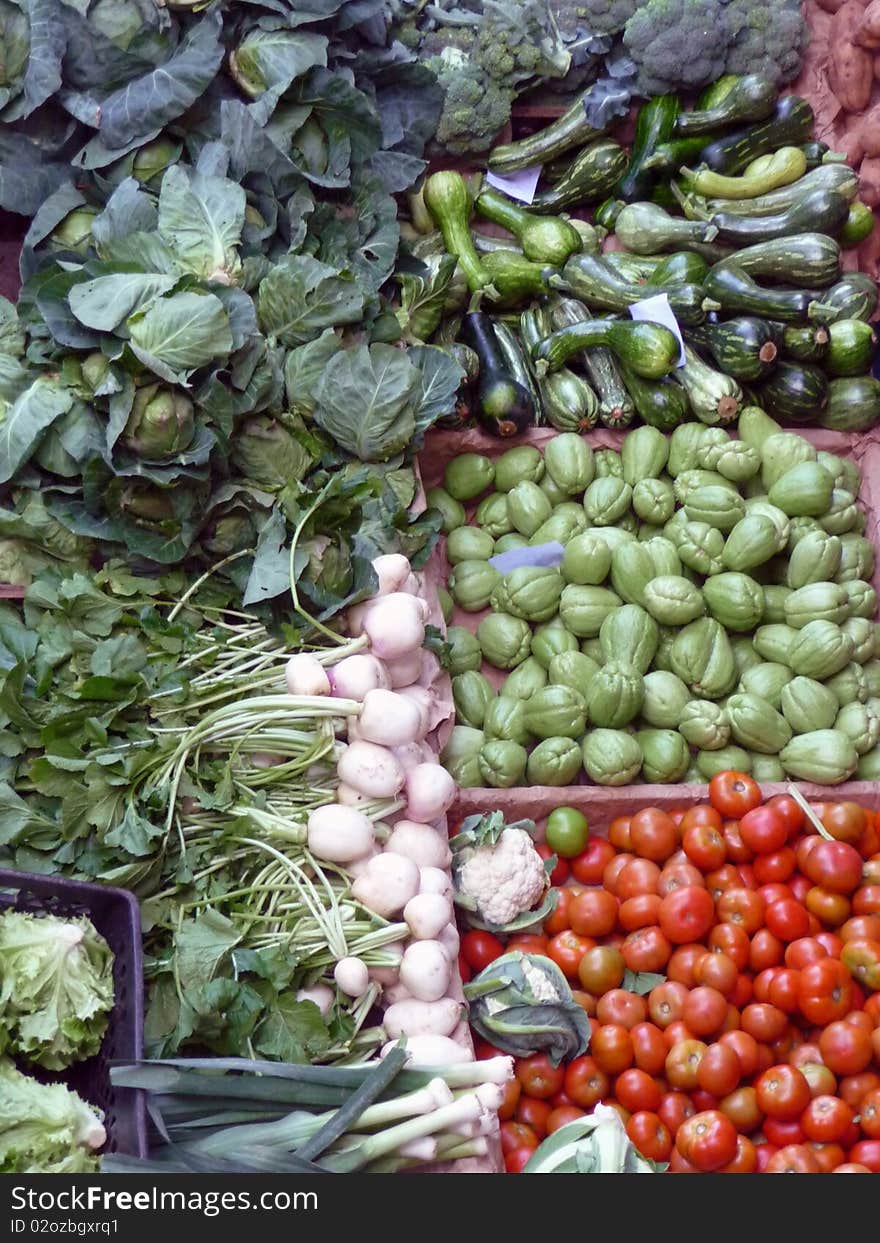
(853, 404)
(824, 211)
(594, 281)
(446, 197)
(518, 364)
(683, 267)
(514, 278)
(505, 407)
(637, 269)
(796, 392)
(669, 156)
(804, 259)
(659, 403)
(859, 225)
(854, 296)
(790, 123)
(568, 402)
(837, 177)
(715, 399)
(851, 348)
(548, 239)
(591, 174)
(766, 173)
(646, 229)
(564, 134)
(616, 407)
(807, 343)
(649, 349)
(735, 290)
(655, 124)
(820, 153)
(742, 347)
(750, 98)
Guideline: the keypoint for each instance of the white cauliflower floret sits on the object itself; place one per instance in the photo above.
(505, 879)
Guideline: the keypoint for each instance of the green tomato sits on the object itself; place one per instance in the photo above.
(567, 832)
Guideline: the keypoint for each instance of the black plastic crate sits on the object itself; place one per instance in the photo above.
(115, 914)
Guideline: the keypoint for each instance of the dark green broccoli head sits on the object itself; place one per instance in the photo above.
(678, 44)
(768, 38)
(600, 17)
(476, 107)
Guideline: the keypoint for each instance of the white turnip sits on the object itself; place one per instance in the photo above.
(450, 940)
(411, 754)
(430, 792)
(391, 719)
(427, 914)
(305, 675)
(404, 671)
(321, 994)
(435, 880)
(395, 625)
(393, 571)
(372, 769)
(351, 976)
(426, 970)
(354, 676)
(339, 834)
(434, 1051)
(422, 1018)
(425, 704)
(386, 884)
(425, 846)
(394, 993)
(347, 796)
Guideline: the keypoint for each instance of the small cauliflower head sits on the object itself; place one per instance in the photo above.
(505, 879)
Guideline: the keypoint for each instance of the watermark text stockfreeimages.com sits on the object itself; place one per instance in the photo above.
(94, 1199)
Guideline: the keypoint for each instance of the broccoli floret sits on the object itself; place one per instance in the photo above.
(600, 17)
(476, 107)
(518, 40)
(678, 44)
(768, 38)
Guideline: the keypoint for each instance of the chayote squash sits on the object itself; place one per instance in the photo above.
(461, 756)
(612, 757)
(615, 695)
(857, 559)
(643, 454)
(653, 501)
(664, 555)
(842, 515)
(665, 755)
(756, 725)
(472, 693)
(767, 768)
(815, 559)
(447, 604)
(550, 639)
(838, 469)
(774, 604)
(608, 464)
(850, 685)
(469, 544)
(472, 584)
(860, 722)
(864, 636)
(527, 507)
(672, 600)
(586, 560)
(780, 453)
(704, 725)
(628, 523)
(464, 651)
(630, 635)
(759, 505)
(523, 463)
(869, 766)
(744, 654)
(774, 642)
(525, 679)
(505, 718)
(593, 649)
(556, 712)
(735, 600)
(719, 506)
(583, 609)
(606, 500)
(825, 756)
(573, 669)
(502, 764)
(871, 670)
(690, 481)
(735, 460)
(807, 705)
(493, 515)
(505, 640)
(530, 591)
(754, 540)
(820, 650)
(701, 656)
(803, 491)
(632, 568)
(468, 475)
(726, 759)
(816, 602)
(700, 547)
(561, 526)
(861, 598)
(766, 680)
(665, 698)
(452, 511)
(552, 490)
(511, 540)
(663, 655)
(798, 529)
(554, 762)
(685, 445)
(570, 463)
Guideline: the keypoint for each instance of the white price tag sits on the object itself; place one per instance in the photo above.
(521, 185)
(657, 310)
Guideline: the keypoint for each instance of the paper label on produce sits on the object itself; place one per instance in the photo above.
(521, 185)
(536, 554)
(657, 310)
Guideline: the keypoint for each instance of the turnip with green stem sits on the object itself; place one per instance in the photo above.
(430, 792)
(419, 842)
(427, 914)
(405, 670)
(387, 883)
(426, 970)
(372, 769)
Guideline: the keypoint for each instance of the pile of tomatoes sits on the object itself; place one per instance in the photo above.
(728, 956)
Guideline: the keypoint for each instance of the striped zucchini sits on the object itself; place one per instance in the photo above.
(796, 392)
(809, 260)
(743, 347)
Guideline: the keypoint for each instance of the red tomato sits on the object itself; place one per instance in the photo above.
(799, 886)
(765, 950)
(825, 991)
(734, 793)
(652, 834)
(683, 962)
(826, 1119)
(851, 1167)
(844, 821)
(717, 971)
(831, 908)
(702, 814)
(787, 920)
(674, 1109)
(862, 961)
(745, 1160)
(746, 1049)
(782, 991)
(793, 1159)
(742, 907)
(732, 940)
(741, 1107)
(679, 876)
(613, 870)
(860, 928)
(686, 915)
(866, 901)
(764, 1155)
(514, 1162)
(510, 1100)
(763, 1021)
(763, 830)
(560, 872)
(704, 846)
(819, 1077)
(623, 1007)
(561, 1115)
(527, 943)
(786, 807)
(782, 1092)
(737, 851)
(867, 1152)
(649, 1047)
(588, 866)
(782, 1132)
(646, 949)
(869, 1114)
(682, 1063)
(803, 952)
(719, 1070)
(704, 1010)
(636, 1090)
(834, 865)
(612, 1048)
(585, 1083)
(776, 867)
(517, 1135)
(464, 970)
(558, 920)
(593, 913)
(618, 833)
(854, 1088)
(480, 948)
(567, 949)
(640, 912)
(846, 1049)
(666, 1003)
(638, 876)
(649, 1135)
(742, 994)
(708, 1140)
